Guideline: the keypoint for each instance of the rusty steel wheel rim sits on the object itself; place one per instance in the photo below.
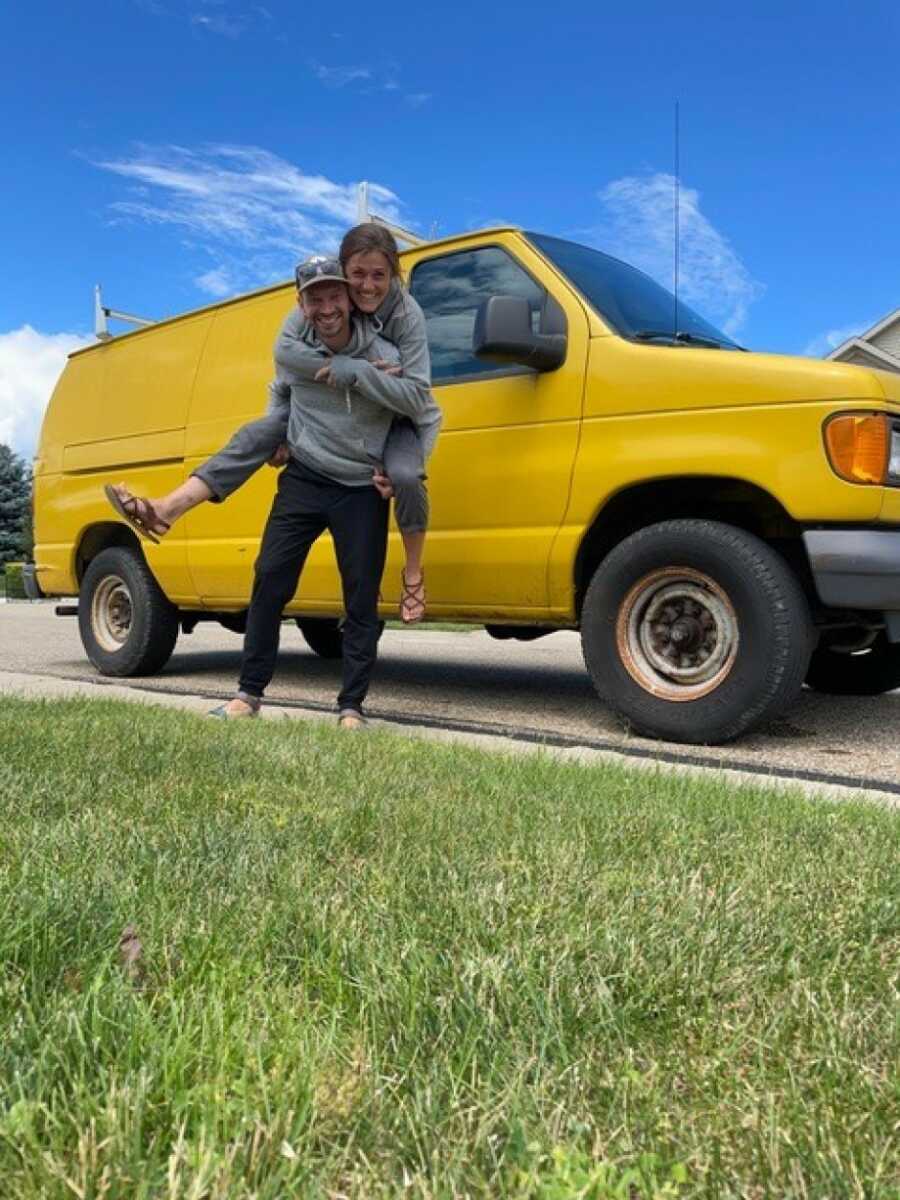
(677, 633)
(112, 613)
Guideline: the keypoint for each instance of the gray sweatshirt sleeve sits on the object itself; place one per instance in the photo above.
(412, 342)
(395, 392)
(279, 400)
(291, 352)
(408, 394)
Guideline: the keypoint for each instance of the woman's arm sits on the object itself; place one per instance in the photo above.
(408, 393)
(411, 341)
(292, 352)
(396, 392)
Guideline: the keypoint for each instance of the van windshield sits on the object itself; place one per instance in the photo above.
(631, 302)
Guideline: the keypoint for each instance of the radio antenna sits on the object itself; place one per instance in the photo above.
(677, 213)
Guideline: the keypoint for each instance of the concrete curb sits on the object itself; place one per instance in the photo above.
(51, 687)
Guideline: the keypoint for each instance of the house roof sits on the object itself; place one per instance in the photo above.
(857, 345)
(865, 337)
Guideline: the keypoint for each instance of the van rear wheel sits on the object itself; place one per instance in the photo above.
(127, 625)
(695, 631)
(323, 635)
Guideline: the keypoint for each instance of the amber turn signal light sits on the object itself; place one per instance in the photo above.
(857, 446)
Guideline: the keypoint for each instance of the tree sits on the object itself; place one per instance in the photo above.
(15, 506)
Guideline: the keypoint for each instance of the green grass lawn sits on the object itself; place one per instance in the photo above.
(370, 966)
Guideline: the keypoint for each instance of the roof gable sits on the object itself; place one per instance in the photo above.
(879, 327)
(855, 348)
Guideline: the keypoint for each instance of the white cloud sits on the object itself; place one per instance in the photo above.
(384, 76)
(253, 213)
(824, 343)
(30, 364)
(338, 77)
(639, 226)
(230, 27)
(216, 282)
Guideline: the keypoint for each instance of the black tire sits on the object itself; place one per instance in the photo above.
(323, 635)
(127, 625)
(695, 631)
(869, 672)
(234, 622)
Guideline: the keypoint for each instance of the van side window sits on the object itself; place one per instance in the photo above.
(450, 289)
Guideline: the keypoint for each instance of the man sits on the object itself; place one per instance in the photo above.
(337, 427)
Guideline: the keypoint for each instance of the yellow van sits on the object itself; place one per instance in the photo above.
(719, 525)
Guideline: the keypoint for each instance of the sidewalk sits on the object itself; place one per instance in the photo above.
(27, 686)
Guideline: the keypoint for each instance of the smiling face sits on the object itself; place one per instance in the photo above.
(369, 276)
(327, 307)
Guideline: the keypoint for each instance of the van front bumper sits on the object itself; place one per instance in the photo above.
(857, 568)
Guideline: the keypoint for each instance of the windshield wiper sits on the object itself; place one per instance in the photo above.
(682, 337)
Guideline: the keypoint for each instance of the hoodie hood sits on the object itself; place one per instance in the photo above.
(391, 306)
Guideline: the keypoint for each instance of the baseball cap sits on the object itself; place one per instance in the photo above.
(318, 269)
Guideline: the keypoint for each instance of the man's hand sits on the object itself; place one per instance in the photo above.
(281, 455)
(383, 485)
(323, 375)
(389, 368)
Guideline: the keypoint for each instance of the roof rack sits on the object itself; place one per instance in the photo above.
(364, 213)
(102, 313)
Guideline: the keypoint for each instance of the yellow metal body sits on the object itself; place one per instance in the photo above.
(525, 466)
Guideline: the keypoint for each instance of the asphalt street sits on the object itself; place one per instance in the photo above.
(535, 691)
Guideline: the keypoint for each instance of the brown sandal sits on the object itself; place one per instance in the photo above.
(412, 600)
(136, 511)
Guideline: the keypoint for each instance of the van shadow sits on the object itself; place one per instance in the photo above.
(541, 695)
(488, 681)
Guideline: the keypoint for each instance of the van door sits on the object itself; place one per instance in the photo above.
(500, 475)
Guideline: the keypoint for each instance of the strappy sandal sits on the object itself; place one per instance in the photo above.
(137, 511)
(412, 600)
(223, 713)
(351, 718)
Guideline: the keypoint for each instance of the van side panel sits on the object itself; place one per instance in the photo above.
(231, 389)
(734, 443)
(119, 408)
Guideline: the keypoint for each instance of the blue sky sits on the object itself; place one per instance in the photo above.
(181, 150)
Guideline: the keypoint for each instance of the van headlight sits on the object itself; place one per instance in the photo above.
(894, 453)
(864, 447)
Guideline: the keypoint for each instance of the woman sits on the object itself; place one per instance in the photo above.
(371, 265)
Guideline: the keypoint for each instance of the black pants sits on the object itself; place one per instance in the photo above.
(305, 505)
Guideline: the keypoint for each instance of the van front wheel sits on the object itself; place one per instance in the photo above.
(695, 631)
(127, 625)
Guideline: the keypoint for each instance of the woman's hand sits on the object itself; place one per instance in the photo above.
(382, 484)
(389, 368)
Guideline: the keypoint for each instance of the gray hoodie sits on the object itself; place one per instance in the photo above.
(401, 321)
(340, 430)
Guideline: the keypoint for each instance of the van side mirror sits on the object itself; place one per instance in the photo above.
(503, 333)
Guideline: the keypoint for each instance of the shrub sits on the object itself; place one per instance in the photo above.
(15, 584)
